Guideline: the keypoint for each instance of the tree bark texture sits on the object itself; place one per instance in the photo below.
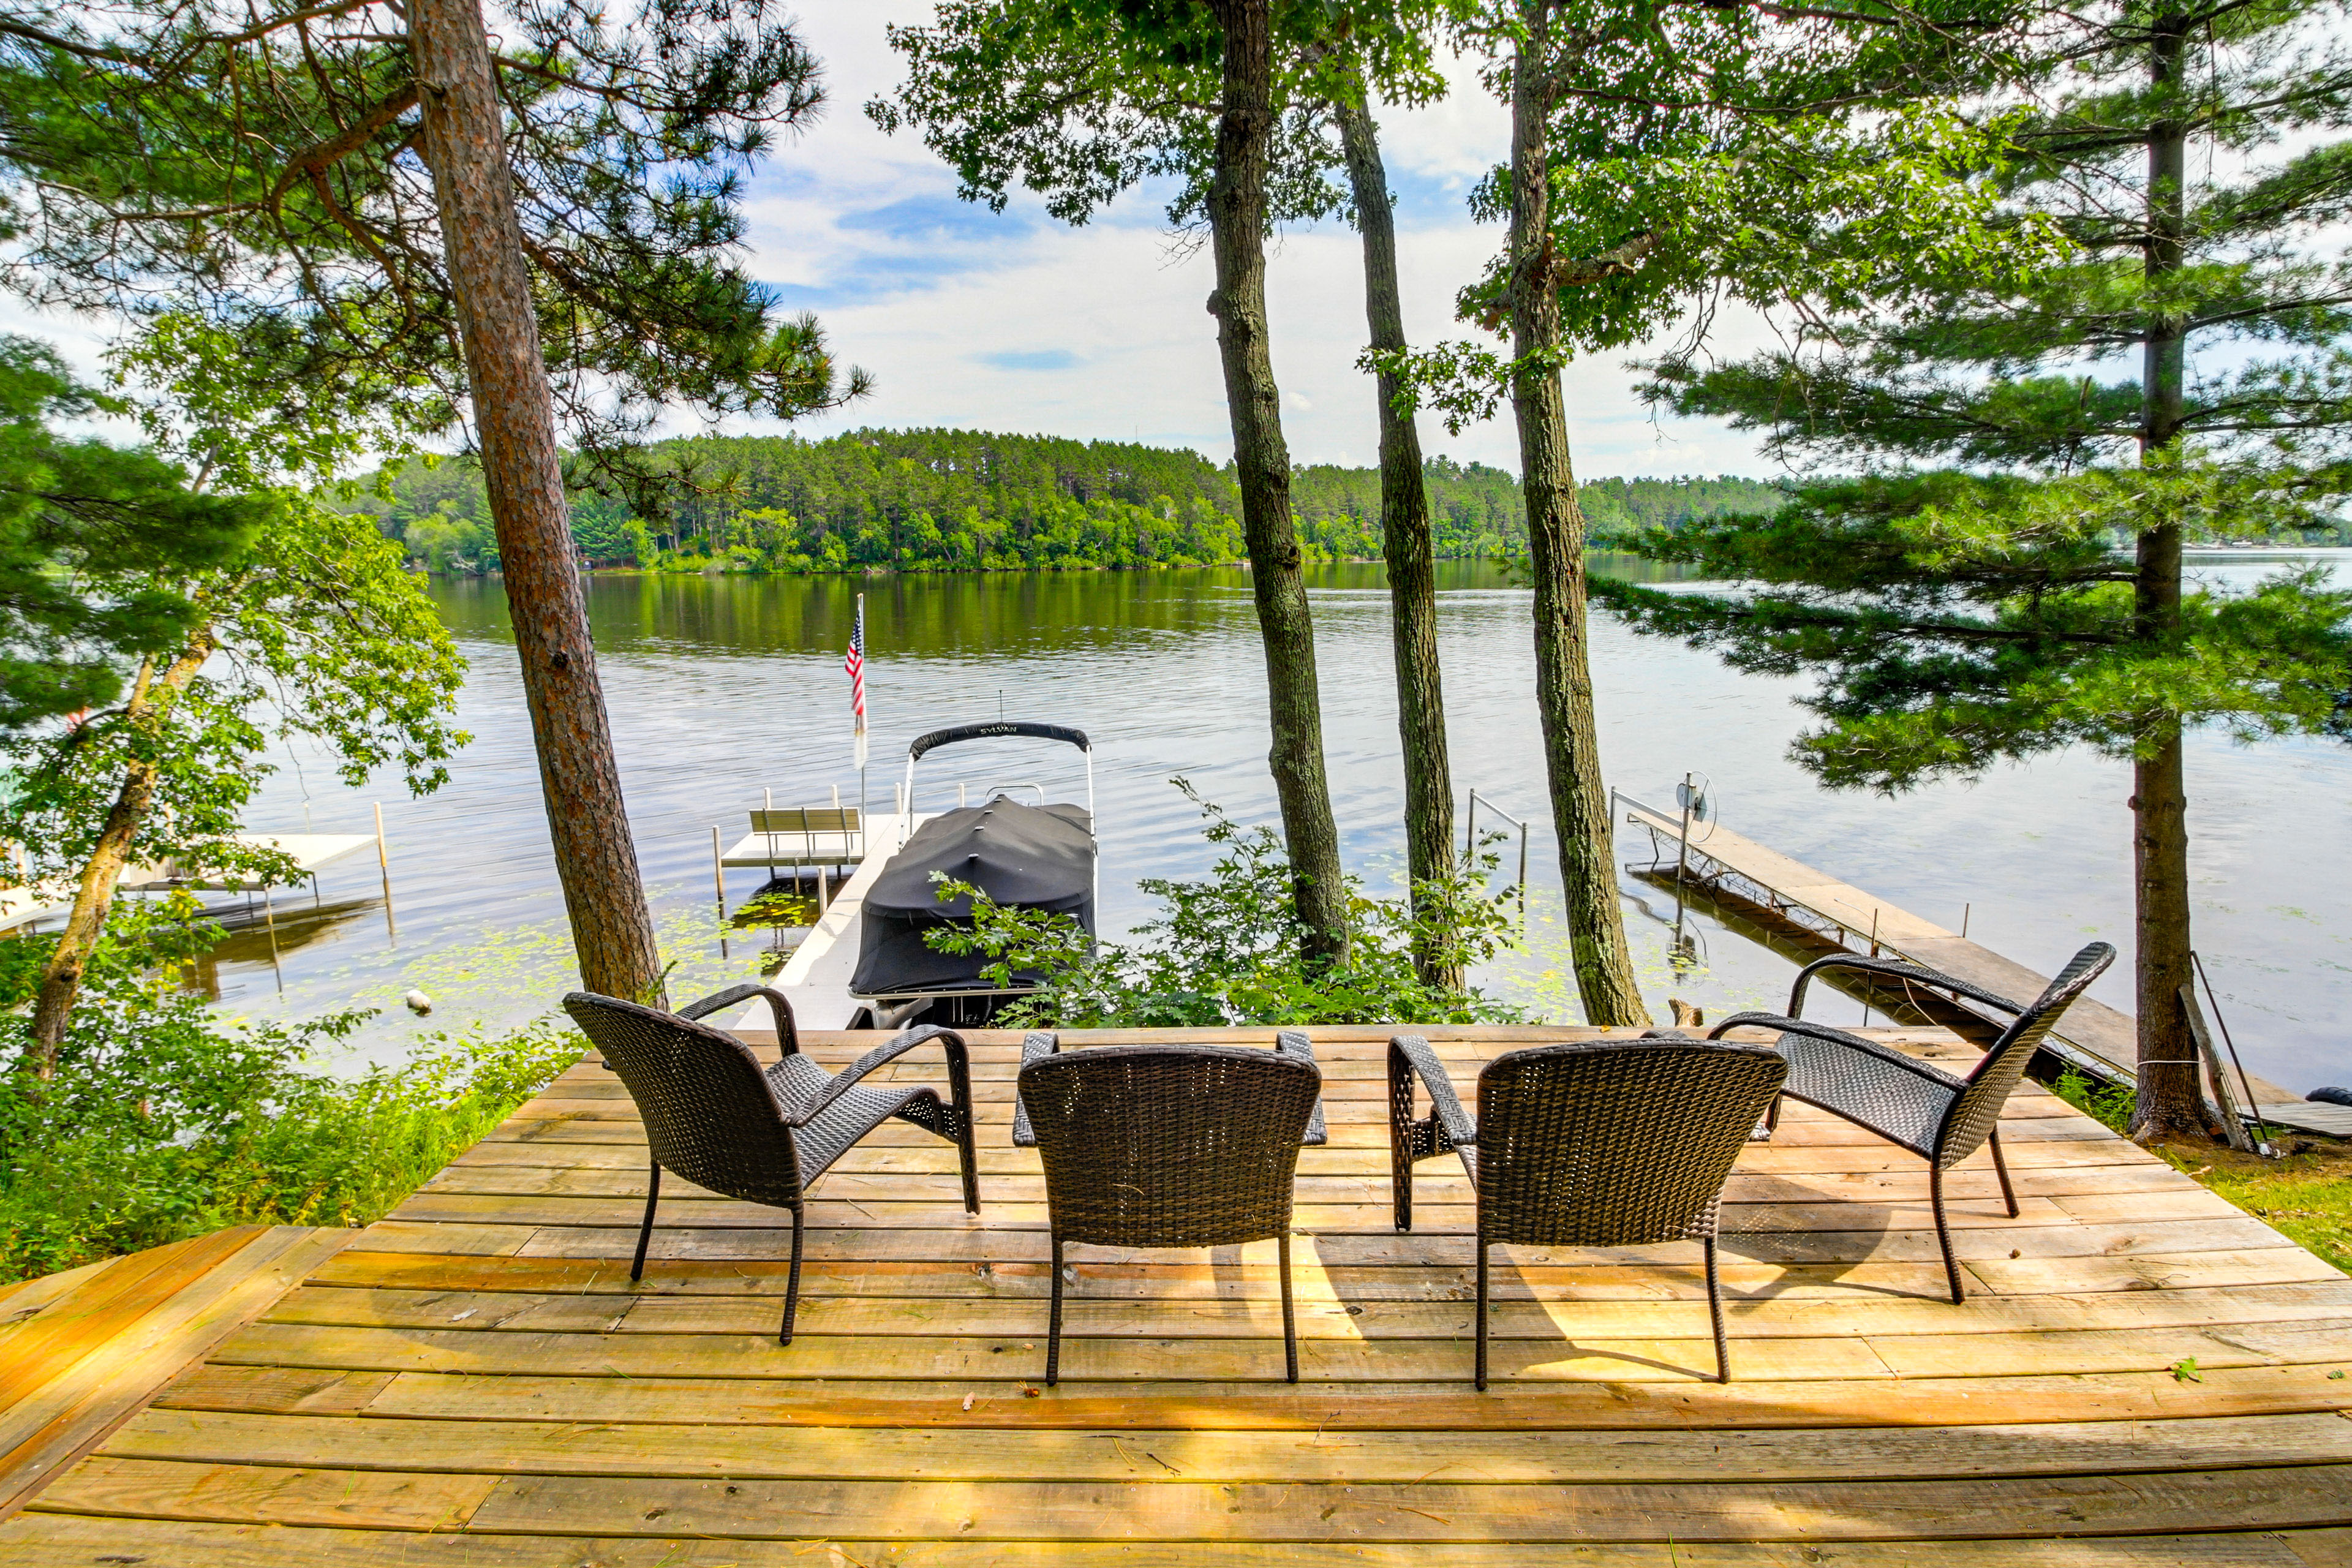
(1405, 542)
(1237, 214)
(152, 697)
(514, 419)
(1579, 801)
(2171, 1096)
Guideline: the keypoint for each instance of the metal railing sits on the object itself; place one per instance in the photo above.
(1470, 841)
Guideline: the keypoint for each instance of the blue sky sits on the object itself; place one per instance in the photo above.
(1014, 322)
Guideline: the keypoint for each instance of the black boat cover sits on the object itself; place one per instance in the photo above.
(1037, 858)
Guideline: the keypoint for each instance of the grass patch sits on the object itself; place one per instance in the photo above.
(2306, 1195)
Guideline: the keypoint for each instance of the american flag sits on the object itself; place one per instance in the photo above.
(856, 665)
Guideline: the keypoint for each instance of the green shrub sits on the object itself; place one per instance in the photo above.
(165, 1120)
(2112, 1104)
(1225, 949)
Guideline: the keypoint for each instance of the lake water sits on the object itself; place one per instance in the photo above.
(723, 688)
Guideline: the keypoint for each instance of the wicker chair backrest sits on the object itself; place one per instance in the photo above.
(1170, 1145)
(1977, 1111)
(1615, 1143)
(709, 1115)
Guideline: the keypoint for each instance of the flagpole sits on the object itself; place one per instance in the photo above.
(858, 732)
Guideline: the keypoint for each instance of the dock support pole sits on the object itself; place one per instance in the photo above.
(718, 885)
(1874, 953)
(383, 865)
(269, 921)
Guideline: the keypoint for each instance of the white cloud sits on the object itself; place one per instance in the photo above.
(1017, 322)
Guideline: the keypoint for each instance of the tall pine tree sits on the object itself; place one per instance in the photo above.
(1662, 157)
(2006, 576)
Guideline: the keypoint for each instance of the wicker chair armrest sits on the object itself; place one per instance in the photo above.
(1886, 1054)
(1896, 968)
(958, 1070)
(1295, 1043)
(1443, 1103)
(1035, 1046)
(787, 1033)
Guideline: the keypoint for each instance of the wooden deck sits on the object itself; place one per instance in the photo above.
(82, 1351)
(2143, 1375)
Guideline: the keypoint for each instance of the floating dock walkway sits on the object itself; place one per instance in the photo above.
(816, 977)
(2143, 1376)
(1752, 880)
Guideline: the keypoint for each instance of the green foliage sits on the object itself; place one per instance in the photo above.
(257, 175)
(1954, 619)
(934, 500)
(943, 500)
(164, 1122)
(94, 539)
(1700, 154)
(318, 633)
(2112, 1105)
(1227, 948)
(1477, 513)
(1966, 601)
(1080, 100)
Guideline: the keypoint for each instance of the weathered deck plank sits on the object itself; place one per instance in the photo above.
(475, 1381)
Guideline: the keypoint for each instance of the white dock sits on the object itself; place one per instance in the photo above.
(816, 977)
(784, 850)
(312, 852)
(2109, 1039)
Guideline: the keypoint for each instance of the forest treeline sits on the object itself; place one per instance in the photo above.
(948, 500)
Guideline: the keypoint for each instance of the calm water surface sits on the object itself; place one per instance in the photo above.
(721, 689)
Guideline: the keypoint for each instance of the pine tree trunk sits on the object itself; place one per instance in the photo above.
(2171, 1097)
(1580, 802)
(514, 421)
(150, 702)
(1237, 218)
(1405, 543)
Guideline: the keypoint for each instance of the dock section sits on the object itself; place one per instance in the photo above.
(2103, 1040)
(816, 977)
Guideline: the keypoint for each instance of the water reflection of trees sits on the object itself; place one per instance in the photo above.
(942, 615)
(259, 936)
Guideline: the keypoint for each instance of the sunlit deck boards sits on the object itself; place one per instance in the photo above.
(475, 1381)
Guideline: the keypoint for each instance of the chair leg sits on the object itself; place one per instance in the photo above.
(1400, 1140)
(1289, 1324)
(1773, 1117)
(1944, 1233)
(1053, 1323)
(792, 1283)
(1714, 1310)
(971, 1165)
(960, 1089)
(2001, 1168)
(1482, 1314)
(646, 1231)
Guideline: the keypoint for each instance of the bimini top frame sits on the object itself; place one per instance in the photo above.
(989, 731)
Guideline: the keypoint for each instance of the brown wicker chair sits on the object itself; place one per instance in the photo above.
(1594, 1143)
(716, 1118)
(1169, 1146)
(1939, 1117)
